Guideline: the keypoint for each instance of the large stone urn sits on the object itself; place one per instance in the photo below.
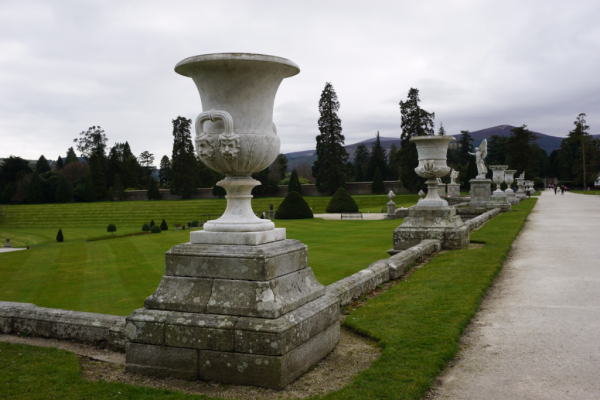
(520, 193)
(432, 218)
(498, 176)
(498, 198)
(239, 303)
(509, 178)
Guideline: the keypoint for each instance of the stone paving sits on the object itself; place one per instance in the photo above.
(537, 334)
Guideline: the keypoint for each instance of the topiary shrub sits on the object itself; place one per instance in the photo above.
(342, 202)
(145, 228)
(155, 229)
(59, 236)
(152, 223)
(195, 224)
(293, 207)
(111, 228)
(294, 185)
(163, 225)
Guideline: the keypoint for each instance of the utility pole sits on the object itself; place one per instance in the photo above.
(581, 122)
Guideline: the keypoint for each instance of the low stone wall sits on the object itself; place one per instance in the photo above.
(381, 271)
(354, 188)
(63, 324)
(477, 222)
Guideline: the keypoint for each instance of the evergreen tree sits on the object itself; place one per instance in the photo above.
(361, 160)
(63, 194)
(153, 193)
(442, 130)
(471, 170)
(164, 173)
(114, 164)
(206, 177)
(465, 146)
(378, 159)
(341, 202)
(415, 122)
(42, 165)
(12, 169)
(393, 163)
(89, 191)
(35, 190)
(377, 186)
(329, 168)
(50, 181)
(59, 236)
(146, 161)
(579, 155)
(497, 152)
(130, 172)
(294, 185)
(183, 160)
(111, 228)
(7, 194)
(97, 176)
(71, 156)
(282, 162)
(520, 147)
(219, 191)
(118, 189)
(59, 163)
(164, 226)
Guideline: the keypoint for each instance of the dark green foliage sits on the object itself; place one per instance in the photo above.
(50, 182)
(92, 141)
(329, 168)
(59, 163)
(155, 229)
(42, 165)
(442, 130)
(377, 186)
(465, 146)
(520, 147)
(471, 171)
(415, 122)
(12, 167)
(219, 191)
(497, 151)
(35, 190)
(378, 160)
(293, 207)
(96, 174)
(63, 194)
(164, 172)
(163, 225)
(393, 165)
(111, 228)
(89, 191)
(294, 185)
(118, 189)
(71, 156)
(342, 202)
(7, 193)
(130, 172)
(183, 160)
(153, 193)
(146, 228)
(206, 177)
(361, 161)
(114, 165)
(59, 236)
(146, 162)
(195, 224)
(538, 183)
(152, 223)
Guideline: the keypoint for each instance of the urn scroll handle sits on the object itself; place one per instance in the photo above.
(229, 142)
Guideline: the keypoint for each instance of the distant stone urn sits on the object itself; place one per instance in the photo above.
(432, 152)
(235, 133)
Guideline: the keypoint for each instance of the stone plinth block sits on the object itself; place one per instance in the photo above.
(481, 190)
(240, 238)
(440, 223)
(511, 197)
(254, 263)
(162, 361)
(453, 190)
(498, 201)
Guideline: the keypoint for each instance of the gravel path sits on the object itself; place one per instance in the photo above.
(537, 334)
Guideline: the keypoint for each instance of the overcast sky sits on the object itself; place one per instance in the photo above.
(68, 65)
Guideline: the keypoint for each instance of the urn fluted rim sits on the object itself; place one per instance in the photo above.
(182, 66)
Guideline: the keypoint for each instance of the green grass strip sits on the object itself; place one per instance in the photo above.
(419, 321)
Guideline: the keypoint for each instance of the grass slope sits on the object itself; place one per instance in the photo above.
(419, 321)
(136, 213)
(115, 276)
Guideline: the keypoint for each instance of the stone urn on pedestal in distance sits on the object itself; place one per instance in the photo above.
(509, 192)
(431, 218)
(520, 193)
(239, 303)
(498, 198)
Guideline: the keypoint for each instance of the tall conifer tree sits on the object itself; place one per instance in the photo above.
(42, 165)
(329, 168)
(97, 176)
(63, 193)
(183, 160)
(378, 160)
(465, 146)
(35, 190)
(71, 156)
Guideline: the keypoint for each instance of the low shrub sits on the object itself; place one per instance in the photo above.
(293, 207)
(152, 223)
(163, 225)
(155, 229)
(342, 202)
(145, 228)
(111, 228)
(59, 236)
(195, 224)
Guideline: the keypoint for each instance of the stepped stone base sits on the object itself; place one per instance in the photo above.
(439, 223)
(251, 315)
(498, 201)
(511, 197)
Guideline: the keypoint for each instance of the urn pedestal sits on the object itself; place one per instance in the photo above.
(453, 190)
(480, 192)
(498, 198)
(431, 218)
(520, 193)
(510, 194)
(238, 303)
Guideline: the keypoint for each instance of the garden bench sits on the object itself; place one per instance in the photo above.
(351, 216)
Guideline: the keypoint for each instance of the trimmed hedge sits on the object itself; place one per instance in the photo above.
(163, 225)
(155, 229)
(59, 236)
(342, 202)
(293, 207)
(145, 228)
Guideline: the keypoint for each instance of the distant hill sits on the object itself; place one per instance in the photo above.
(546, 142)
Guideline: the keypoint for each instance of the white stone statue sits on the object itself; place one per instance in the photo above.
(453, 176)
(480, 155)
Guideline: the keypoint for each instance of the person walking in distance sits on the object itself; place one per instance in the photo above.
(562, 190)
(555, 189)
